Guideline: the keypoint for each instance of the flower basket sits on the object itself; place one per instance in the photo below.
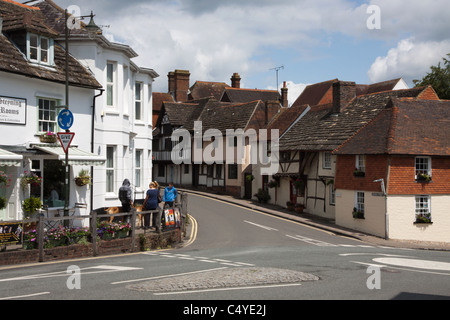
(359, 173)
(290, 206)
(121, 234)
(48, 137)
(82, 181)
(83, 178)
(423, 218)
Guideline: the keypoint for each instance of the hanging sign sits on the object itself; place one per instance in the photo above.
(65, 138)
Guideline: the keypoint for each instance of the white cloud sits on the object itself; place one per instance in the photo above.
(410, 60)
(294, 90)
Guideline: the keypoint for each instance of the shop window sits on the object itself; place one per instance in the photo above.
(54, 176)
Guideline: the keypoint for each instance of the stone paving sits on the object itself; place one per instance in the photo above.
(225, 278)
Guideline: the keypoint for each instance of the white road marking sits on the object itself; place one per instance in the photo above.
(167, 276)
(261, 226)
(25, 296)
(228, 289)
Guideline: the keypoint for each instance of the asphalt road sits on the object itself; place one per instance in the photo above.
(241, 255)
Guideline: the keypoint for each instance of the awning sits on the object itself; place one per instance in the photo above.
(76, 156)
(9, 159)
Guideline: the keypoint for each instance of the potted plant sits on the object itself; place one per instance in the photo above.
(249, 177)
(48, 137)
(262, 195)
(83, 178)
(272, 184)
(299, 208)
(290, 206)
(357, 214)
(4, 178)
(3, 203)
(31, 205)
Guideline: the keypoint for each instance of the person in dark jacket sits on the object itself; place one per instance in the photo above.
(151, 202)
(125, 196)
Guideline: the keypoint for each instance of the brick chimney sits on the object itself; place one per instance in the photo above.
(271, 108)
(236, 80)
(179, 84)
(343, 93)
(284, 96)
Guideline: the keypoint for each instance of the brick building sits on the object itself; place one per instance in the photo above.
(393, 176)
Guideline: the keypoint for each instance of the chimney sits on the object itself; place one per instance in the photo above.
(236, 80)
(343, 93)
(284, 96)
(171, 78)
(179, 84)
(271, 108)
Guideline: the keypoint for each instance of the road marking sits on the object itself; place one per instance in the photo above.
(103, 269)
(201, 259)
(261, 226)
(312, 241)
(26, 296)
(167, 276)
(227, 289)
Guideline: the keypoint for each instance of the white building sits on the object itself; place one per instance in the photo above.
(32, 92)
(122, 111)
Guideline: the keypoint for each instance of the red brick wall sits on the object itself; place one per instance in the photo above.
(376, 168)
(428, 94)
(402, 177)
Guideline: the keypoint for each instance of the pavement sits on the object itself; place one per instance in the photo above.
(322, 223)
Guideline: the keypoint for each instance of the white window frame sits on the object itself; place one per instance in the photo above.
(110, 168)
(138, 100)
(326, 160)
(422, 205)
(40, 50)
(111, 84)
(359, 195)
(361, 162)
(332, 194)
(138, 167)
(424, 166)
(53, 109)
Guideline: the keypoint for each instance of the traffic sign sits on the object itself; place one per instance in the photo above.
(65, 138)
(65, 119)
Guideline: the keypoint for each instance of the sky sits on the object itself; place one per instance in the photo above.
(307, 41)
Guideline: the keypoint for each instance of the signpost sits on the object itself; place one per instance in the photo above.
(65, 122)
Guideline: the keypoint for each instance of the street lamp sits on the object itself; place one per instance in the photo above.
(92, 29)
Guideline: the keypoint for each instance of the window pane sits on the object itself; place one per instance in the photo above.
(109, 72)
(109, 97)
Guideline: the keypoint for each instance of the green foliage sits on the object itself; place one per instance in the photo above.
(438, 78)
(32, 204)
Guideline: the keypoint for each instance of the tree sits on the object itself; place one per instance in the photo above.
(438, 78)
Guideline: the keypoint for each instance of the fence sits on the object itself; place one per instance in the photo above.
(42, 220)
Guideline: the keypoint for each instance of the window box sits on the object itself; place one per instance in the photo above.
(359, 173)
(423, 218)
(423, 177)
(357, 214)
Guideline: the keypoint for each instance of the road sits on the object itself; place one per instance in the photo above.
(240, 254)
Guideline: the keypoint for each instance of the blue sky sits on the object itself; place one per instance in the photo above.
(315, 40)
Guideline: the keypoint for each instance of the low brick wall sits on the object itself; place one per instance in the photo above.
(147, 241)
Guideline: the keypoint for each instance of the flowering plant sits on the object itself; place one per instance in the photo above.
(4, 178)
(29, 178)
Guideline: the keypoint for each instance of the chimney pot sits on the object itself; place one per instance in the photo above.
(236, 80)
(284, 95)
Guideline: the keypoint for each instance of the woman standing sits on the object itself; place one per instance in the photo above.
(151, 202)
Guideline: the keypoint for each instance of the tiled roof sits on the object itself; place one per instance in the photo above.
(405, 127)
(314, 93)
(285, 118)
(202, 89)
(14, 61)
(319, 129)
(234, 95)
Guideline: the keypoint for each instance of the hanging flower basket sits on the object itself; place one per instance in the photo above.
(48, 137)
(83, 178)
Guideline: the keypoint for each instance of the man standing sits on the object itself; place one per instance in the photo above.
(125, 196)
(170, 194)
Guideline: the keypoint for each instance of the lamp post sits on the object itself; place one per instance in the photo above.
(91, 28)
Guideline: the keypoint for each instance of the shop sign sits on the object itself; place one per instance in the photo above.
(13, 110)
(10, 233)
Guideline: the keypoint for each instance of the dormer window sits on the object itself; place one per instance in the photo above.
(39, 49)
